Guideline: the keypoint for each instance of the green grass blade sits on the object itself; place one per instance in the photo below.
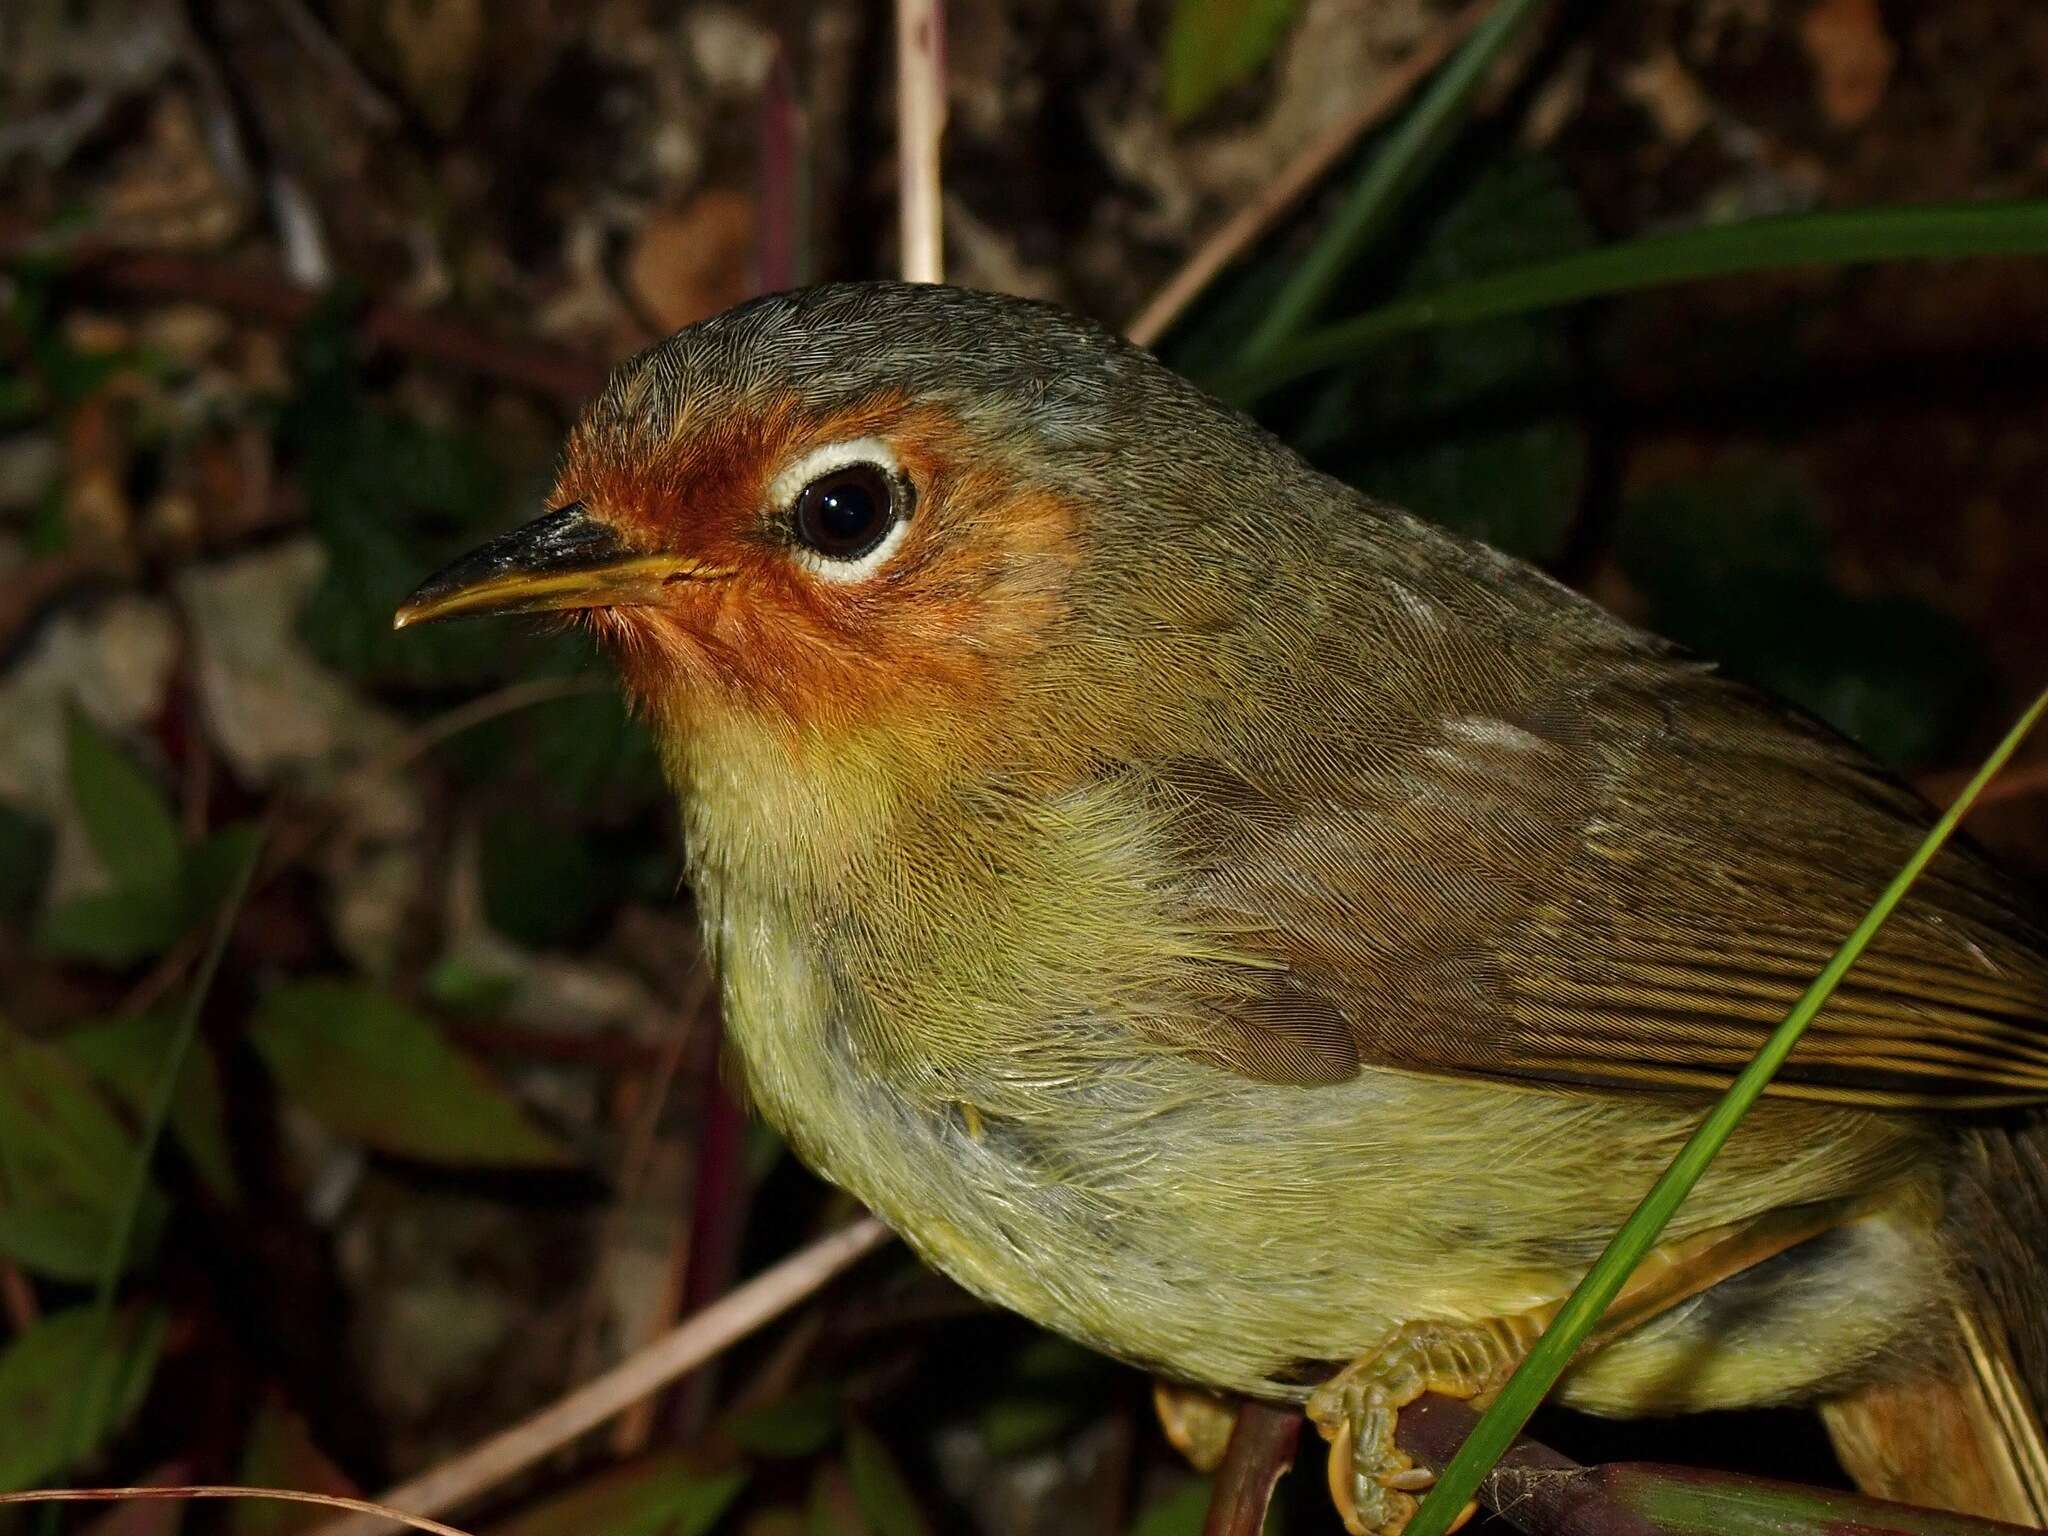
(1532, 1382)
(162, 1096)
(1657, 261)
(1401, 164)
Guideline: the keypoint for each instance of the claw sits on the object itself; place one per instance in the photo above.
(1372, 1480)
(1341, 1478)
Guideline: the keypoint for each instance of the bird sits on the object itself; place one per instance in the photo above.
(1267, 938)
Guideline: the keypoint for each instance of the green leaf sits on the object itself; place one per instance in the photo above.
(1472, 429)
(129, 1054)
(802, 1424)
(126, 817)
(1734, 565)
(1395, 169)
(1018, 1423)
(465, 988)
(1660, 261)
(1549, 1357)
(592, 751)
(27, 843)
(1695, 543)
(765, 1149)
(1515, 488)
(55, 1374)
(832, 1509)
(67, 1242)
(1049, 1385)
(666, 1495)
(213, 868)
(374, 1070)
(65, 1164)
(115, 929)
(1212, 45)
(540, 884)
(280, 1453)
(1181, 1513)
(390, 499)
(886, 1502)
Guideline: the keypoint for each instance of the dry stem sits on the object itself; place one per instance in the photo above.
(920, 120)
(1249, 224)
(491, 1463)
(226, 1491)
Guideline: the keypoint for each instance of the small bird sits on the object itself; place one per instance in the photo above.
(1253, 932)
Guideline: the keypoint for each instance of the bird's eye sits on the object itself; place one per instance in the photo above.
(845, 512)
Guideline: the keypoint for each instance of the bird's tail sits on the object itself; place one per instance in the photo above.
(1966, 1432)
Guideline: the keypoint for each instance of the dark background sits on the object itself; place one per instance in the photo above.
(297, 299)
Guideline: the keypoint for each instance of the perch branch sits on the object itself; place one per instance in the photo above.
(1538, 1491)
(1261, 1450)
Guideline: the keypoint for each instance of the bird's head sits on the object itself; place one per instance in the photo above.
(880, 505)
(821, 508)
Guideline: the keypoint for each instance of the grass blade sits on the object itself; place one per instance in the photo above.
(1658, 261)
(163, 1096)
(1533, 1380)
(1403, 161)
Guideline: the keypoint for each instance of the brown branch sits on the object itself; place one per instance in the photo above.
(18, 1297)
(264, 294)
(1261, 1451)
(1249, 224)
(1536, 1490)
(485, 1466)
(1532, 1487)
(39, 584)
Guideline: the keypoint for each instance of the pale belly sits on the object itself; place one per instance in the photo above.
(1235, 1233)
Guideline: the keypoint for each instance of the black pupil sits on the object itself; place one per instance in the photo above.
(845, 513)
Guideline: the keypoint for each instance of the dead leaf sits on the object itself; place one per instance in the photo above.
(439, 44)
(1852, 57)
(1664, 89)
(693, 261)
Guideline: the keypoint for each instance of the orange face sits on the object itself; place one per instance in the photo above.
(824, 571)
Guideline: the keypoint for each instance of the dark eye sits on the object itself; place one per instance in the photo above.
(845, 512)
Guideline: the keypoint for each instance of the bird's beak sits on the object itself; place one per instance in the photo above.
(567, 559)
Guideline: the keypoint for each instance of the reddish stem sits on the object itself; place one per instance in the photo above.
(1261, 1450)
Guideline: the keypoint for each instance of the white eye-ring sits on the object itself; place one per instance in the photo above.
(848, 507)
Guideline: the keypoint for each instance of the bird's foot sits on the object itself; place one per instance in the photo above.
(1373, 1482)
(1198, 1423)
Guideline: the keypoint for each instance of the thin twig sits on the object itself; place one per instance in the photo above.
(163, 1094)
(1261, 1451)
(371, 104)
(636, 1425)
(18, 1297)
(920, 121)
(225, 1491)
(1245, 228)
(466, 1477)
(782, 254)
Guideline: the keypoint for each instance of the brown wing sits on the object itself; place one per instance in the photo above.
(1513, 838)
